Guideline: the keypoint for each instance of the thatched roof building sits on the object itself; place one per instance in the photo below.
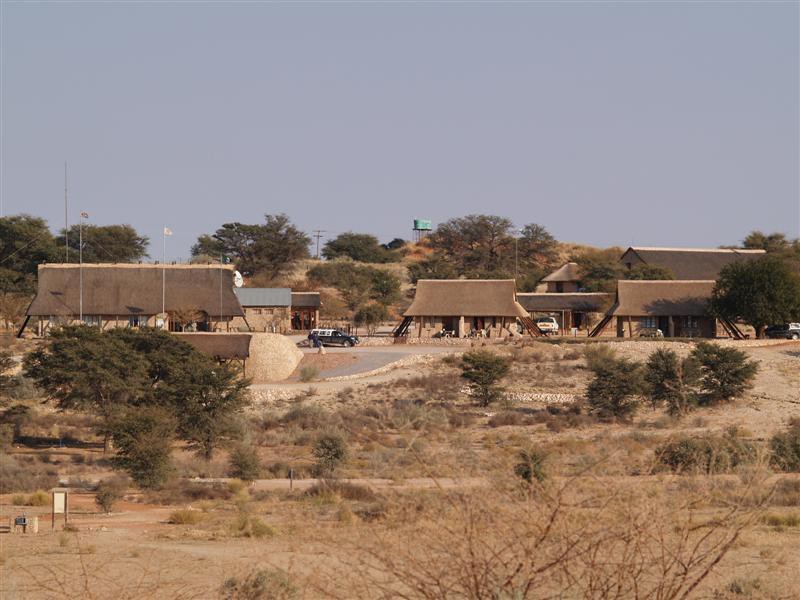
(134, 289)
(466, 297)
(662, 298)
(691, 264)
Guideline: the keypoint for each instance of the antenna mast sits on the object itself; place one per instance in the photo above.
(66, 213)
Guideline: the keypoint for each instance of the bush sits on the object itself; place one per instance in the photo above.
(143, 437)
(708, 454)
(530, 466)
(245, 463)
(264, 584)
(614, 391)
(250, 526)
(330, 450)
(185, 516)
(509, 417)
(309, 373)
(484, 370)
(307, 416)
(725, 373)
(109, 492)
(17, 476)
(345, 490)
(670, 381)
(785, 447)
(371, 316)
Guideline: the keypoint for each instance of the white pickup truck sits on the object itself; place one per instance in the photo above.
(547, 325)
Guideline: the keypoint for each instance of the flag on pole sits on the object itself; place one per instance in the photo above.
(84, 215)
(167, 231)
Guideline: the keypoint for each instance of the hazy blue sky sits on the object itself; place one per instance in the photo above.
(609, 123)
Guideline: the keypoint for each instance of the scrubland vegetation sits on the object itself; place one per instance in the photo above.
(672, 474)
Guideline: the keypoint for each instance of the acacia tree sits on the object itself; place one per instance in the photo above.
(484, 370)
(269, 249)
(759, 292)
(360, 247)
(84, 369)
(106, 243)
(25, 243)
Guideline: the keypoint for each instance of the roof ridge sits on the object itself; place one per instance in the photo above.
(722, 250)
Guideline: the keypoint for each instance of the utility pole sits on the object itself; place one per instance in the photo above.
(318, 234)
(84, 215)
(66, 217)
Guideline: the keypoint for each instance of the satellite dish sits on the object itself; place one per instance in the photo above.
(238, 280)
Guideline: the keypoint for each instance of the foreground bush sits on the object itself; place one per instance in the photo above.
(670, 381)
(725, 373)
(615, 390)
(245, 463)
(260, 585)
(785, 447)
(109, 492)
(708, 454)
(330, 450)
(530, 467)
(484, 370)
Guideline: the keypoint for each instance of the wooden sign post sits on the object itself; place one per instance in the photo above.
(60, 506)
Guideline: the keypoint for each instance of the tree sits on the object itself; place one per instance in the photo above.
(773, 242)
(84, 369)
(613, 392)
(395, 244)
(143, 437)
(477, 245)
(270, 249)
(109, 492)
(724, 373)
(25, 243)
(537, 248)
(759, 292)
(371, 316)
(384, 287)
(245, 463)
(671, 381)
(433, 267)
(6, 364)
(330, 450)
(106, 243)
(649, 272)
(360, 247)
(12, 309)
(484, 370)
(206, 397)
(599, 269)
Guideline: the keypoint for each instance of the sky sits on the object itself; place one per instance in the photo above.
(660, 124)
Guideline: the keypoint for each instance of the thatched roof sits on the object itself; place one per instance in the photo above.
(134, 289)
(691, 263)
(662, 298)
(224, 346)
(306, 299)
(589, 302)
(465, 297)
(567, 272)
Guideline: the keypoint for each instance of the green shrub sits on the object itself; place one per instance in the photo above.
(143, 437)
(708, 454)
(245, 463)
(615, 388)
(109, 492)
(484, 370)
(530, 466)
(265, 584)
(724, 373)
(330, 450)
(671, 381)
(785, 447)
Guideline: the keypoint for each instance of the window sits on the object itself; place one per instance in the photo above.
(691, 322)
(137, 321)
(92, 320)
(256, 311)
(649, 322)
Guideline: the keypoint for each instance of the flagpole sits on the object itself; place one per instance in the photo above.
(164, 274)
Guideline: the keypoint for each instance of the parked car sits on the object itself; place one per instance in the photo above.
(789, 331)
(547, 324)
(651, 332)
(334, 337)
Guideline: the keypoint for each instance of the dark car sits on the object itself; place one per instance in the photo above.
(334, 337)
(790, 331)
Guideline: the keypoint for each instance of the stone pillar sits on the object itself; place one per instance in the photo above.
(461, 327)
